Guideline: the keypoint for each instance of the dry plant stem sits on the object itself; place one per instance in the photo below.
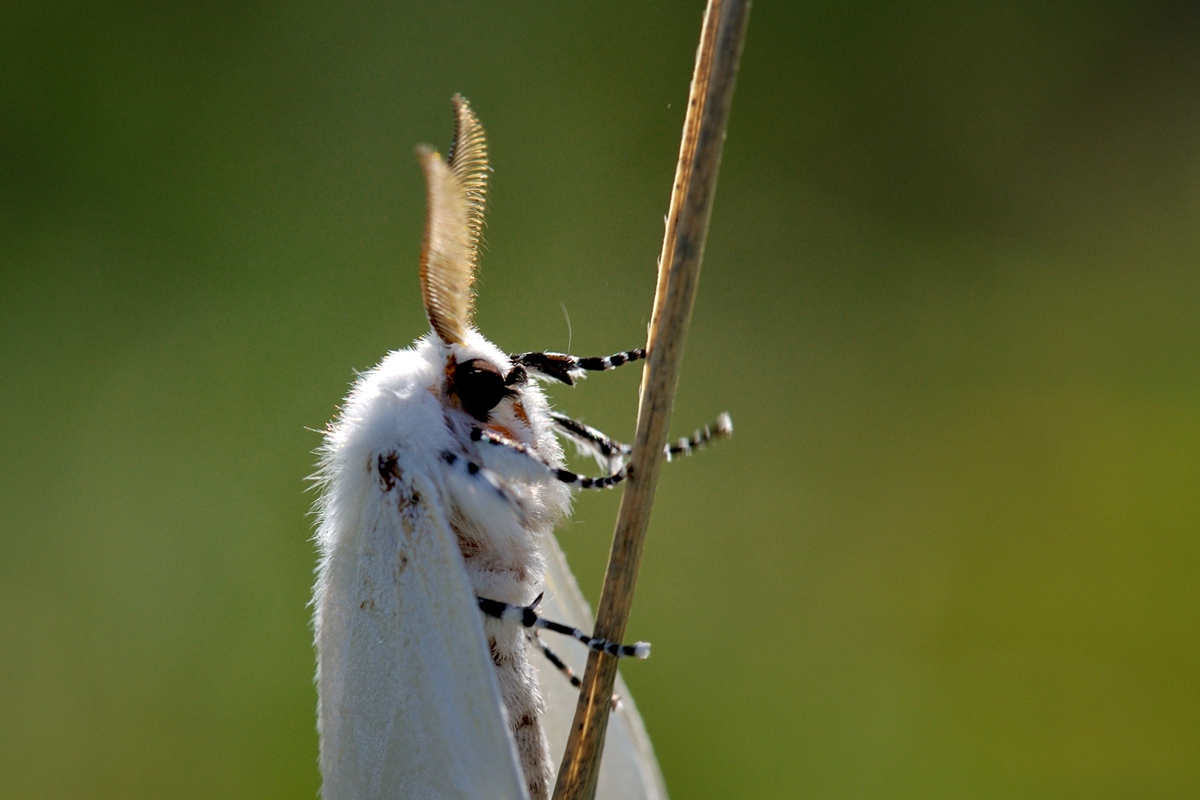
(679, 275)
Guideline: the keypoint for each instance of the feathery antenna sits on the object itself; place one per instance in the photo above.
(456, 199)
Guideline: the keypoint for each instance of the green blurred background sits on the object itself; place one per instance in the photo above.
(950, 298)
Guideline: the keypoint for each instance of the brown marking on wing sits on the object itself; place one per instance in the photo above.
(389, 470)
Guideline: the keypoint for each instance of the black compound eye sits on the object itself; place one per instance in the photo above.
(480, 387)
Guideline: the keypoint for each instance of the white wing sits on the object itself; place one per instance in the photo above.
(409, 703)
(628, 770)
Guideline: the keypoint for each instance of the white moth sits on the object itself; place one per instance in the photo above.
(442, 479)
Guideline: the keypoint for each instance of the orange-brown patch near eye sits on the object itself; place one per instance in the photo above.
(451, 395)
(520, 412)
(502, 431)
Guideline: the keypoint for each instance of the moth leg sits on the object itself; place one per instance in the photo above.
(721, 429)
(566, 368)
(476, 472)
(527, 617)
(483, 492)
(562, 667)
(605, 450)
(519, 459)
(609, 453)
(558, 663)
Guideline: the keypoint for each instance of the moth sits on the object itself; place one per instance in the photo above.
(441, 480)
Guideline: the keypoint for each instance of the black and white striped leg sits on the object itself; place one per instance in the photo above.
(519, 459)
(609, 453)
(562, 667)
(558, 663)
(568, 369)
(721, 429)
(527, 617)
(481, 492)
(606, 450)
(475, 472)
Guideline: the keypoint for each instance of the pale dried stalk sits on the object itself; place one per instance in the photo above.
(678, 277)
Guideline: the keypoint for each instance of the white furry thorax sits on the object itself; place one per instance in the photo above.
(402, 416)
(402, 406)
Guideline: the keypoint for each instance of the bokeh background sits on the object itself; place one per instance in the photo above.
(950, 297)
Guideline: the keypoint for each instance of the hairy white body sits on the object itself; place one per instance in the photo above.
(420, 694)
(441, 483)
(404, 552)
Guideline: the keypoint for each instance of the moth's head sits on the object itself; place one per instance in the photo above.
(482, 382)
(479, 379)
(478, 386)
